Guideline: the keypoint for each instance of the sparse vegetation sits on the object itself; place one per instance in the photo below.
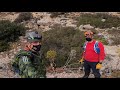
(100, 20)
(23, 16)
(114, 36)
(56, 14)
(115, 74)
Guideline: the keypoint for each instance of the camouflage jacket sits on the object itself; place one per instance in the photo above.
(29, 65)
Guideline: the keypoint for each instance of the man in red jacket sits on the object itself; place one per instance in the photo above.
(91, 57)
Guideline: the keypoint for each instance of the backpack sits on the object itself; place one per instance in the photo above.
(96, 47)
(15, 62)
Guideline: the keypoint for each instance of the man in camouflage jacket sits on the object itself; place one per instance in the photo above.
(27, 62)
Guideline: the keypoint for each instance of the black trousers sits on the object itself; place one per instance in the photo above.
(87, 68)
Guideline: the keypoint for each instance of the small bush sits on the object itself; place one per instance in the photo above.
(24, 16)
(61, 59)
(96, 20)
(116, 74)
(51, 54)
(114, 36)
(56, 14)
(3, 46)
(9, 32)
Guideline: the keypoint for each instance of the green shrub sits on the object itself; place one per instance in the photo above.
(9, 32)
(3, 46)
(62, 40)
(61, 59)
(95, 20)
(23, 16)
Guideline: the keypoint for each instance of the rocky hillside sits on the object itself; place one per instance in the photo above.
(43, 21)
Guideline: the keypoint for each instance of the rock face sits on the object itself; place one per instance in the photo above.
(85, 27)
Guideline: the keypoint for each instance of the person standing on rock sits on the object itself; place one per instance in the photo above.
(27, 63)
(93, 55)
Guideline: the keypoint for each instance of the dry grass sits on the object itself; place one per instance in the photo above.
(116, 74)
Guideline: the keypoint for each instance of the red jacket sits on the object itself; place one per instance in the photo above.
(90, 55)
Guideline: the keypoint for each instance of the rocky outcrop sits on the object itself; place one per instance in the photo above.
(112, 60)
(43, 21)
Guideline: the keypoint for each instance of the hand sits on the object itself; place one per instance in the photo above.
(81, 61)
(99, 66)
